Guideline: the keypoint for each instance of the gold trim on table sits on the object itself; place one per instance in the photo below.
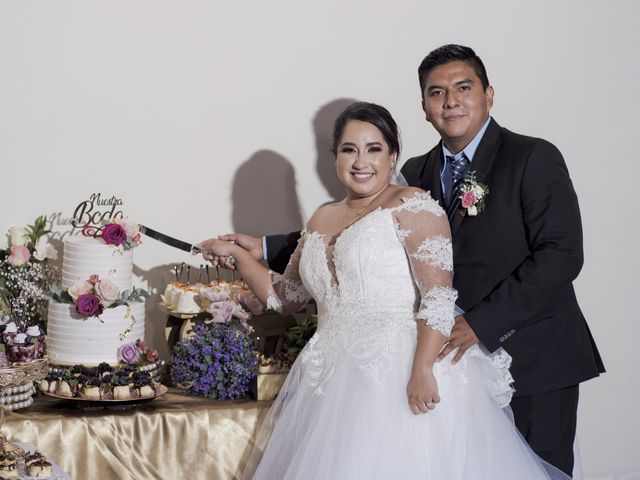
(21, 373)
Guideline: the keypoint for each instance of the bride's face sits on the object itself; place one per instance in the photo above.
(363, 159)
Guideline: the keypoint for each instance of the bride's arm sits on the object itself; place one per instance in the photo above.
(424, 232)
(283, 293)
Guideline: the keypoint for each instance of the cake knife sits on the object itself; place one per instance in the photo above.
(174, 242)
(167, 240)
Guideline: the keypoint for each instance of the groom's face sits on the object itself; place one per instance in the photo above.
(455, 103)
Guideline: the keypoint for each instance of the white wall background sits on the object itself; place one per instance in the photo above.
(192, 110)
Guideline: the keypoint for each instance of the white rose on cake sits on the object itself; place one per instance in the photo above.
(82, 288)
(107, 291)
(131, 227)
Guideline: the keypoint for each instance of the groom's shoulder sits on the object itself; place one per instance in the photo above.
(525, 144)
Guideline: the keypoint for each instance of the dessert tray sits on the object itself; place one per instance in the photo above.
(104, 403)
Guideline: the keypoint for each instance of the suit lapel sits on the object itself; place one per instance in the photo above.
(431, 180)
(481, 164)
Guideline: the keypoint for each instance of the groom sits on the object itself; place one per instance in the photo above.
(515, 260)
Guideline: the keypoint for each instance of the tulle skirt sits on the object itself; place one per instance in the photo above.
(362, 430)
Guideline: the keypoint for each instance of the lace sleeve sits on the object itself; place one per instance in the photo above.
(423, 229)
(287, 293)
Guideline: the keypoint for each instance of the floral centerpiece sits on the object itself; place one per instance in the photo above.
(218, 362)
(26, 274)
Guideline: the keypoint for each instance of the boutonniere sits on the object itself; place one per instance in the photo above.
(472, 195)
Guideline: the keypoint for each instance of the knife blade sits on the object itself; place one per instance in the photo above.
(167, 240)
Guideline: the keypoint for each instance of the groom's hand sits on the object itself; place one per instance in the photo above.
(462, 337)
(253, 245)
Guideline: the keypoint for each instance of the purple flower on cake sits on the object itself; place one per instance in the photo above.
(19, 255)
(128, 353)
(107, 291)
(79, 289)
(114, 234)
(89, 305)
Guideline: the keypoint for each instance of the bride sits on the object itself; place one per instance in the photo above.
(366, 399)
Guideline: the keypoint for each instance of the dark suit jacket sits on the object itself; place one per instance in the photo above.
(514, 262)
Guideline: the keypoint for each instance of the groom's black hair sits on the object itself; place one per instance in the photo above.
(371, 113)
(451, 53)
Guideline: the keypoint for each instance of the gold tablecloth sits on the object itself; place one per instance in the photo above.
(171, 437)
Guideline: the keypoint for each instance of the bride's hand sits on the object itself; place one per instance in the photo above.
(215, 250)
(422, 390)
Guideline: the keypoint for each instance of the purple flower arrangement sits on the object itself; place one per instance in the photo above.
(218, 362)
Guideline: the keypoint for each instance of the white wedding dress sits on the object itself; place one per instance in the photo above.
(343, 411)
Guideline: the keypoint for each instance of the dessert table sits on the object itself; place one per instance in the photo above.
(171, 437)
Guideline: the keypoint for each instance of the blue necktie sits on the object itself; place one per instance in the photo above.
(456, 168)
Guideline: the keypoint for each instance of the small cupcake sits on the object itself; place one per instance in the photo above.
(36, 337)
(91, 388)
(39, 469)
(9, 471)
(21, 350)
(144, 391)
(6, 460)
(52, 383)
(33, 458)
(106, 389)
(9, 333)
(121, 389)
(105, 369)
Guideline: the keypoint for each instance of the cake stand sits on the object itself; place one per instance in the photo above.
(16, 383)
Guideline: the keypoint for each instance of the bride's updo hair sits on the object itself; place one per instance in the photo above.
(370, 113)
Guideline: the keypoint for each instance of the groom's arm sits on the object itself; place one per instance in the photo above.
(554, 234)
(279, 249)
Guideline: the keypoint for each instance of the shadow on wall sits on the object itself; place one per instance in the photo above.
(264, 196)
(325, 161)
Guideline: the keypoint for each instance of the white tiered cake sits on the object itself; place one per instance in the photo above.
(90, 341)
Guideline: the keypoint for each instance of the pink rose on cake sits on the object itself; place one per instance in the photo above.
(83, 288)
(89, 305)
(114, 234)
(107, 291)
